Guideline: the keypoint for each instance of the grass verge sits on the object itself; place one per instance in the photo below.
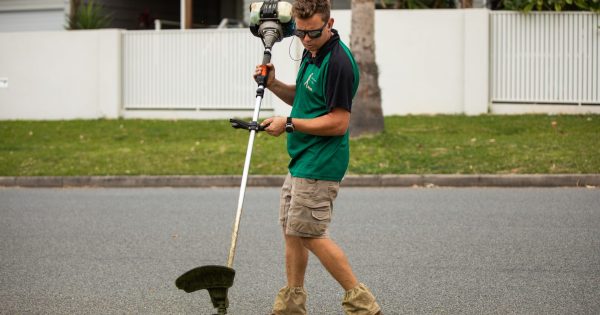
(524, 144)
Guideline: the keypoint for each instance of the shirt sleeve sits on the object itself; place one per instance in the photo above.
(339, 81)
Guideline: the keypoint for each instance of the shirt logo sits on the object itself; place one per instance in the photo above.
(310, 81)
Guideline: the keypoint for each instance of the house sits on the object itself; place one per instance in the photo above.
(46, 15)
(32, 15)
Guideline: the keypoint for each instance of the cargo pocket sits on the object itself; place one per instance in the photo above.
(315, 218)
(321, 211)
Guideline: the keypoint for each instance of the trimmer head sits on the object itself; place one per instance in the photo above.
(215, 279)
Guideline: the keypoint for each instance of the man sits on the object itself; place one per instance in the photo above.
(318, 145)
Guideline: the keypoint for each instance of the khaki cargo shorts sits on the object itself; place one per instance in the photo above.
(306, 206)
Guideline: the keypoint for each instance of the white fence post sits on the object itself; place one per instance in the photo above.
(476, 62)
(109, 73)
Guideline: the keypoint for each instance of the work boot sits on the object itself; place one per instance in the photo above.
(360, 301)
(290, 301)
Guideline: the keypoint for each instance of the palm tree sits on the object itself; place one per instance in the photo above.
(367, 115)
(72, 18)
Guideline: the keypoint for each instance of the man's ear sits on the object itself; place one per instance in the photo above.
(330, 23)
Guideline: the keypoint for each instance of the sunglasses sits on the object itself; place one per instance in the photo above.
(311, 33)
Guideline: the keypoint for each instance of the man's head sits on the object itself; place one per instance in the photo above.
(313, 23)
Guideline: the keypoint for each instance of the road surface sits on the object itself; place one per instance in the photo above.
(421, 251)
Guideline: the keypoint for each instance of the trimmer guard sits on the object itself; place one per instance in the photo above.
(215, 279)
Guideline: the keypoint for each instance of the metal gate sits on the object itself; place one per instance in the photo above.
(545, 58)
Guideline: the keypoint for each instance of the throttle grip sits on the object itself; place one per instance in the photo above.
(252, 125)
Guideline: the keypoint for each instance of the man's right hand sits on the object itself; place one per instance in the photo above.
(270, 73)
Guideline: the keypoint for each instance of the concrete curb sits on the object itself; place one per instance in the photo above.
(544, 180)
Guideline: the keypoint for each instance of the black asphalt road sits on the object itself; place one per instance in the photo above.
(421, 251)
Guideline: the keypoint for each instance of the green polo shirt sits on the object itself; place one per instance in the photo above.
(323, 83)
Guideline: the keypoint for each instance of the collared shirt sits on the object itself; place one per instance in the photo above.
(327, 81)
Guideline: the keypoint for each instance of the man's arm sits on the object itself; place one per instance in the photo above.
(335, 123)
(286, 92)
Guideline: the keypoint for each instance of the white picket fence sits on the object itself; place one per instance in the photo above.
(545, 58)
(191, 70)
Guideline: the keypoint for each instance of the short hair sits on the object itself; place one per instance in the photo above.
(305, 9)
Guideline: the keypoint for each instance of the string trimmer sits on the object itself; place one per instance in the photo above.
(271, 21)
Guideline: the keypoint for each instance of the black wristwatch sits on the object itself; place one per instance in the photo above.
(289, 125)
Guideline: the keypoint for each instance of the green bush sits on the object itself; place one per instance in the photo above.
(414, 4)
(89, 15)
(552, 5)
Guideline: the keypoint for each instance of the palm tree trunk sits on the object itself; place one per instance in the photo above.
(73, 8)
(367, 115)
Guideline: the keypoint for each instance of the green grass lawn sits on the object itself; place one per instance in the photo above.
(523, 144)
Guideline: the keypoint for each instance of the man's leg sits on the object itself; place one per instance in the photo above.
(333, 259)
(291, 299)
(358, 299)
(296, 260)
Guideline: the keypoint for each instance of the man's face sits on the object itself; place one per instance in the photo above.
(311, 24)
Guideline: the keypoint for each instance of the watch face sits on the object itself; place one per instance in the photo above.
(289, 128)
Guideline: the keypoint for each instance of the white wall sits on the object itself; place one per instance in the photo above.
(60, 75)
(430, 61)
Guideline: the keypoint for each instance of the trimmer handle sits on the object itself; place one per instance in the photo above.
(261, 79)
(252, 125)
